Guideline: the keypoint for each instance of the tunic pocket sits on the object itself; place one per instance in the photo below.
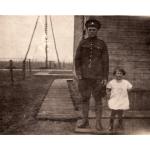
(98, 50)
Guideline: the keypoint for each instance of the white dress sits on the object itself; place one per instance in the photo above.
(119, 94)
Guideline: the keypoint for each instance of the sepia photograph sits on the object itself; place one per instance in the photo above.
(74, 74)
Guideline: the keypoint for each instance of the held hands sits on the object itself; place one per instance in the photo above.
(102, 82)
(102, 85)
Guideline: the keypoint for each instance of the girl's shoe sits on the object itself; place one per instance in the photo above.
(110, 128)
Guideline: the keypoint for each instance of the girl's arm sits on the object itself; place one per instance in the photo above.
(108, 93)
(129, 87)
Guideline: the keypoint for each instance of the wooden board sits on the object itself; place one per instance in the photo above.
(127, 114)
(92, 130)
(58, 105)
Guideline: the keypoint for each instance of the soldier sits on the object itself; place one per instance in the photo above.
(91, 66)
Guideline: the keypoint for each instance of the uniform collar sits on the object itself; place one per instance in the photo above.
(92, 38)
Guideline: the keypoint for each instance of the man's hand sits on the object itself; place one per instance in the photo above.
(104, 82)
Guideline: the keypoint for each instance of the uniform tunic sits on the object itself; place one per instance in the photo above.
(119, 94)
(91, 60)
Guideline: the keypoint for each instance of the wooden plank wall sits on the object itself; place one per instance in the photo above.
(128, 41)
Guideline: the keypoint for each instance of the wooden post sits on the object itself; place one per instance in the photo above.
(30, 66)
(59, 65)
(24, 69)
(11, 72)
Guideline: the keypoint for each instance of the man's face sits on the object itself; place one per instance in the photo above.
(92, 31)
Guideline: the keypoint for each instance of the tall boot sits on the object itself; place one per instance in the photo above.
(98, 118)
(85, 111)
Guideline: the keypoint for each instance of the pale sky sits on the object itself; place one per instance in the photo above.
(15, 34)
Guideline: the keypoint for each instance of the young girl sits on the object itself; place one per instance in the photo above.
(117, 92)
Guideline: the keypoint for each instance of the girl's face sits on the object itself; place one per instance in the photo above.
(119, 75)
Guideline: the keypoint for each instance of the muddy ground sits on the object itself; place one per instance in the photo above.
(19, 105)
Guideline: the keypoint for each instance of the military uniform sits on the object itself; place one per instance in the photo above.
(91, 63)
(91, 60)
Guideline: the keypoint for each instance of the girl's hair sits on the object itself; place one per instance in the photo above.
(120, 70)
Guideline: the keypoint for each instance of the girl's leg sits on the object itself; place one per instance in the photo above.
(120, 120)
(111, 123)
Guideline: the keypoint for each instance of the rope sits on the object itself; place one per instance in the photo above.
(31, 39)
(54, 41)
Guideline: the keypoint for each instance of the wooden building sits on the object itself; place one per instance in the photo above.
(128, 42)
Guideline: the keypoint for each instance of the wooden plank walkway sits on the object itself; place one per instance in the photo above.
(131, 127)
(130, 114)
(135, 122)
(58, 105)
